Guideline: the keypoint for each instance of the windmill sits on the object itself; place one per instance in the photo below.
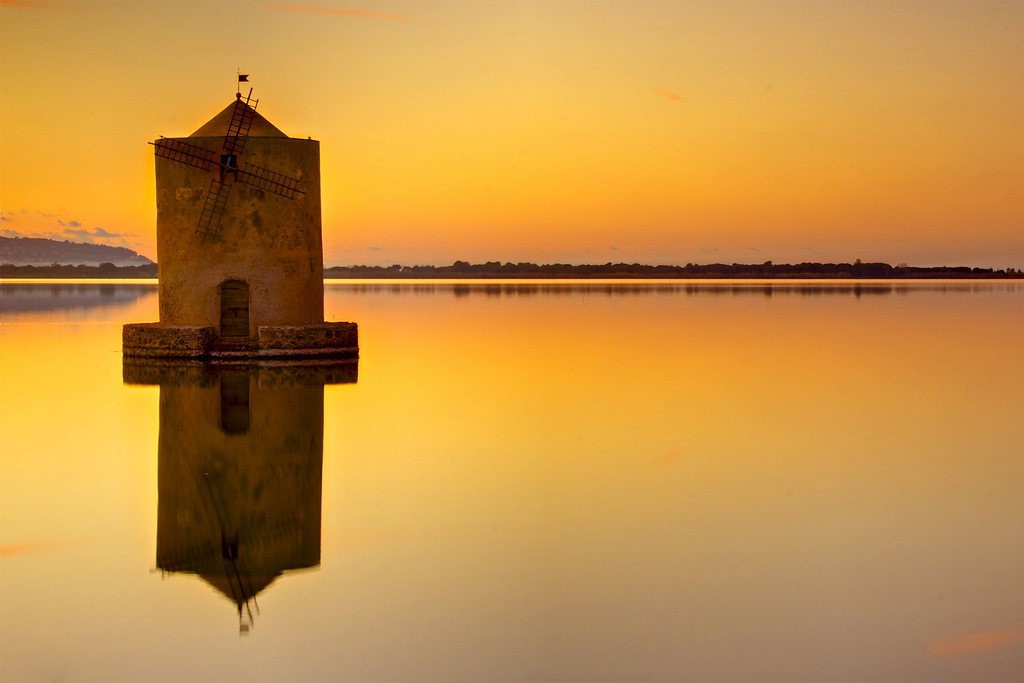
(241, 271)
(231, 169)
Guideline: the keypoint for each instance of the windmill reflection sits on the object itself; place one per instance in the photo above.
(239, 471)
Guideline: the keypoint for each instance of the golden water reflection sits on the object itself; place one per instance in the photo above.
(239, 471)
(576, 483)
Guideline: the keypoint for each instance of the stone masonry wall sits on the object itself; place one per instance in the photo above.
(153, 340)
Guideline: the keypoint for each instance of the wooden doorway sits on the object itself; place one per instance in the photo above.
(234, 310)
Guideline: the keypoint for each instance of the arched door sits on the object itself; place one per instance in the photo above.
(234, 310)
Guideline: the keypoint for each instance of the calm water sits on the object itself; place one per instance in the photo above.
(524, 481)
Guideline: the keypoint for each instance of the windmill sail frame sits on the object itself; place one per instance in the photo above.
(227, 161)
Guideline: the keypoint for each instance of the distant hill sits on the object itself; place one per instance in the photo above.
(34, 251)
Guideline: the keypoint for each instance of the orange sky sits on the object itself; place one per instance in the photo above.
(577, 131)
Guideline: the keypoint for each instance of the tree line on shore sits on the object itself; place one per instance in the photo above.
(102, 271)
(495, 269)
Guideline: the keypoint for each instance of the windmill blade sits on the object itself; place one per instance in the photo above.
(213, 209)
(185, 153)
(238, 129)
(264, 179)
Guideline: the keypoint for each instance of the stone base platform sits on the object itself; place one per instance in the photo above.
(273, 343)
(187, 372)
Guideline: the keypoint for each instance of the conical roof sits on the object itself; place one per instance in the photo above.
(217, 127)
(223, 584)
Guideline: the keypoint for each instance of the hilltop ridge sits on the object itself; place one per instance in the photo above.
(39, 251)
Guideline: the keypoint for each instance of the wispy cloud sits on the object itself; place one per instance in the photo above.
(29, 548)
(72, 232)
(362, 14)
(80, 234)
(376, 248)
(709, 250)
(46, 235)
(969, 643)
(99, 236)
(26, 4)
(670, 95)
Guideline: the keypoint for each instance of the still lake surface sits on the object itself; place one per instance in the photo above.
(548, 481)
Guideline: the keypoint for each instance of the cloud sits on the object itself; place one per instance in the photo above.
(80, 234)
(816, 252)
(670, 95)
(754, 249)
(26, 4)
(28, 548)
(376, 248)
(969, 643)
(706, 250)
(96, 234)
(69, 224)
(362, 14)
(44, 235)
(4, 218)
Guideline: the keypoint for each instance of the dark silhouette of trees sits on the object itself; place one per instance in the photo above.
(766, 270)
(498, 270)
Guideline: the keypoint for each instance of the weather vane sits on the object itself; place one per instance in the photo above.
(242, 78)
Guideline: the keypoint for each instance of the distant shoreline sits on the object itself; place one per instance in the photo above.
(691, 271)
(462, 270)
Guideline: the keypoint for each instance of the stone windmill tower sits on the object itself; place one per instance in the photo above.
(239, 245)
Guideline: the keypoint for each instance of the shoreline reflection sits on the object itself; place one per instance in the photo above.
(42, 297)
(517, 288)
(239, 473)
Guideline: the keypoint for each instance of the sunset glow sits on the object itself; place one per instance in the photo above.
(581, 132)
(971, 643)
(551, 480)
